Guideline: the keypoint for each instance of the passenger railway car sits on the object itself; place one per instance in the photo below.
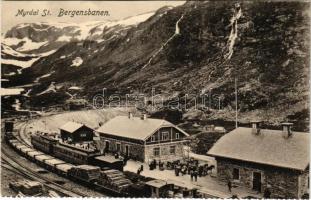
(43, 143)
(73, 154)
(67, 152)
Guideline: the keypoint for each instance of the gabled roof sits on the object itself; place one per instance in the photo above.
(71, 126)
(156, 183)
(270, 147)
(134, 127)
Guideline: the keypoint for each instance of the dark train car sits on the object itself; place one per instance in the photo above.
(8, 126)
(44, 143)
(8, 130)
(107, 161)
(73, 154)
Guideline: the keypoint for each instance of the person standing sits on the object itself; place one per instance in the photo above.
(195, 174)
(191, 174)
(229, 185)
(267, 193)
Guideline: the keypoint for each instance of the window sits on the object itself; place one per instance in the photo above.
(83, 135)
(165, 135)
(118, 147)
(156, 151)
(177, 135)
(236, 174)
(153, 138)
(172, 150)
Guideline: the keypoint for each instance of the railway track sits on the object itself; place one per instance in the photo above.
(20, 135)
(14, 165)
(20, 132)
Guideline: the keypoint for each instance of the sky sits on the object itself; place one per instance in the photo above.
(117, 10)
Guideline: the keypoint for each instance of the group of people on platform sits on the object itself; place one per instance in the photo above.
(190, 167)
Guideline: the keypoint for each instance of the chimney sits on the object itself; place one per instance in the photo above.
(255, 127)
(130, 115)
(143, 116)
(287, 129)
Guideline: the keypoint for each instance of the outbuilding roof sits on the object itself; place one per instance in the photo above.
(156, 183)
(108, 158)
(71, 126)
(269, 147)
(134, 127)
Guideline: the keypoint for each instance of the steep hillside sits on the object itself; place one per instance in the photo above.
(197, 48)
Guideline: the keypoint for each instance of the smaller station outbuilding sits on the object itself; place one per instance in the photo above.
(75, 132)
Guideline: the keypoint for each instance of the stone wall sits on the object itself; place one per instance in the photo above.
(284, 183)
(164, 151)
(135, 151)
(303, 183)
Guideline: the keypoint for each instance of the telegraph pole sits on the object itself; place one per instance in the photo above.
(218, 103)
(236, 102)
(209, 99)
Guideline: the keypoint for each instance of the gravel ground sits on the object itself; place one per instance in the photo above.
(7, 177)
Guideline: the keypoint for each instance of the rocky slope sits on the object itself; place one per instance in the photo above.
(197, 48)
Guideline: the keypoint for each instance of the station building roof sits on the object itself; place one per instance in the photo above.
(270, 147)
(134, 127)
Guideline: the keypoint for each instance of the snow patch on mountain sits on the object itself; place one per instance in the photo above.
(47, 53)
(9, 51)
(43, 76)
(22, 64)
(52, 88)
(64, 38)
(75, 88)
(10, 91)
(77, 62)
(10, 41)
(30, 45)
(134, 20)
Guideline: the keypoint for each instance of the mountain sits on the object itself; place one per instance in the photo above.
(197, 48)
(26, 43)
(42, 37)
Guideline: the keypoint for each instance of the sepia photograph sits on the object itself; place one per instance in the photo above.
(155, 99)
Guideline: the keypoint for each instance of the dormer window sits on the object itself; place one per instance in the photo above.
(165, 136)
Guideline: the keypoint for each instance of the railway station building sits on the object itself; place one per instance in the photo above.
(141, 138)
(265, 160)
(75, 132)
